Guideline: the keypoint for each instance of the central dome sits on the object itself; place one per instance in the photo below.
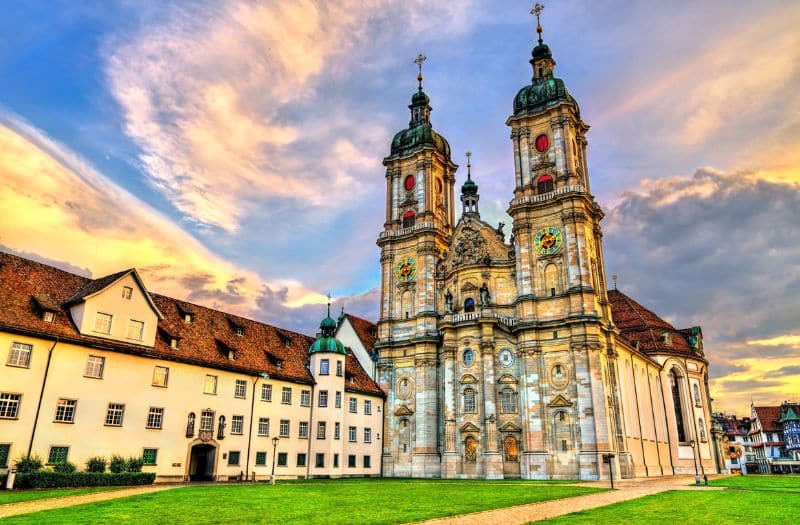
(419, 136)
(540, 95)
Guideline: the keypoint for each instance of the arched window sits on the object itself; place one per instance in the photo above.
(190, 425)
(469, 305)
(508, 401)
(696, 392)
(409, 218)
(677, 404)
(470, 449)
(702, 429)
(511, 448)
(469, 401)
(544, 184)
(551, 279)
(221, 427)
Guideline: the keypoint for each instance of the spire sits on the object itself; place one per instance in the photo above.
(419, 61)
(328, 325)
(469, 191)
(541, 57)
(420, 102)
(537, 11)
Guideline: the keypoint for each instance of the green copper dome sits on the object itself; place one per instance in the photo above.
(541, 94)
(420, 132)
(469, 187)
(540, 52)
(327, 345)
(328, 322)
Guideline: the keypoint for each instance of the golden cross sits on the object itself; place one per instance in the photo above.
(418, 61)
(537, 11)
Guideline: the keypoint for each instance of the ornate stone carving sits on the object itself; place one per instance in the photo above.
(470, 247)
(405, 388)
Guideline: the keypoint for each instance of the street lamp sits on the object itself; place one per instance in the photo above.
(275, 457)
(694, 458)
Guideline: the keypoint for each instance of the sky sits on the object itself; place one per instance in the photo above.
(232, 150)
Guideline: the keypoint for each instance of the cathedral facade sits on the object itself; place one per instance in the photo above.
(510, 358)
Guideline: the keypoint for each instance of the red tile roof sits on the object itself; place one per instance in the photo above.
(768, 416)
(639, 325)
(366, 331)
(26, 284)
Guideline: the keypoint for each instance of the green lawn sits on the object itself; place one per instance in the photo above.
(329, 502)
(16, 496)
(749, 499)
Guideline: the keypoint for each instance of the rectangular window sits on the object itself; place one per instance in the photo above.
(305, 398)
(155, 417)
(286, 395)
(237, 424)
(336, 430)
(263, 426)
(233, 457)
(323, 398)
(320, 462)
(338, 400)
(114, 414)
(339, 368)
(336, 461)
(353, 405)
(94, 366)
(160, 376)
(210, 385)
(351, 461)
(5, 451)
(57, 455)
(135, 330)
(367, 461)
(367, 435)
(351, 434)
(9, 405)
(173, 343)
(127, 292)
(266, 393)
(65, 410)
(321, 428)
(283, 459)
(303, 430)
(324, 367)
(102, 323)
(207, 420)
(284, 428)
(367, 407)
(301, 460)
(20, 355)
(48, 317)
(149, 456)
(241, 389)
(261, 459)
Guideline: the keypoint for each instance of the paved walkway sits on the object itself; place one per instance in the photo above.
(628, 489)
(25, 507)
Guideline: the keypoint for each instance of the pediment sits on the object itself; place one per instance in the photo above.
(403, 410)
(473, 242)
(510, 427)
(468, 287)
(560, 401)
(506, 379)
(468, 379)
(469, 427)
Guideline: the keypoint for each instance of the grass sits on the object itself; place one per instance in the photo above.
(749, 499)
(18, 496)
(329, 502)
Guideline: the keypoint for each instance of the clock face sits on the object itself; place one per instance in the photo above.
(409, 183)
(406, 270)
(548, 240)
(506, 357)
(542, 143)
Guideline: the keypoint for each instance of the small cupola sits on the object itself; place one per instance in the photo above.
(469, 192)
(326, 342)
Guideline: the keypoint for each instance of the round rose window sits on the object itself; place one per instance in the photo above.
(542, 143)
(409, 183)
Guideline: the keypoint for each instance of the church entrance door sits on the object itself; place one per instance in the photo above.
(510, 457)
(201, 463)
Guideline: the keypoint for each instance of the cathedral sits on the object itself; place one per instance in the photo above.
(511, 358)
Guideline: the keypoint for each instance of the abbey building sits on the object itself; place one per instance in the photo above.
(509, 357)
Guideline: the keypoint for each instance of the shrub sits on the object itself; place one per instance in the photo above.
(64, 468)
(117, 464)
(134, 465)
(45, 479)
(28, 464)
(96, 464)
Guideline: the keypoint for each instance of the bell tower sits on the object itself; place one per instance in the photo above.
(420, 179)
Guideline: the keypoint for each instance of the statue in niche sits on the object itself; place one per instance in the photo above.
(448, 302)
(500, 231)
(511, 448)
(485, 296)
(470, 449)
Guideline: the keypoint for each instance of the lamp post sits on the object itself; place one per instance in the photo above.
(694, 458)
(274, 458)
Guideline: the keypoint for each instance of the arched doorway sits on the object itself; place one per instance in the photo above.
(201, 462)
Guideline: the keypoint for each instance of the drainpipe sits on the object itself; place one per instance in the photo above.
(41, 395)
(311, 431)
(252, 412)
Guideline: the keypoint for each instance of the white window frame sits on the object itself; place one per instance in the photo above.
(286, 395)
(367, 435)
(305, 398)
(240, 389)
(209, 381)
(20, 355)
(339, 368)
(324, 367)
(352, 434)
(338, 400)
(337, 429)
(353, 405)
(48, 316)
(323, 398)
(263, 426)
(284, 428)
(127, 292)
(161, 376)
(155, 418)
(367, 407)
(9, 405)
(302, 430)
(95, 371)
(115, 412)
(65, 410)
(135, 330)
(266, 392)
(207, 416)
(237, 425)
(99, 323)
(322, 429)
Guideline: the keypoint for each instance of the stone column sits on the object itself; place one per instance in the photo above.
(492, 460)
(386, 380)
(533, 460)
(525, 168)
(451, 458)
(517, 163)
(425, 461)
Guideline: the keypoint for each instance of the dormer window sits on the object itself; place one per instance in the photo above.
(285, 340)
(232, 355)
(173, 343)
(188, 318)
(48, 316)
(238, 330)
(274, 361)
(127, 292)
(102, 323)
(666, 338)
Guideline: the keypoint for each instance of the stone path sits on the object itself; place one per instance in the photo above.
(25, 507)
(628, 489)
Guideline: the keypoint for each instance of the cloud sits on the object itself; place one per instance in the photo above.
(720, 250)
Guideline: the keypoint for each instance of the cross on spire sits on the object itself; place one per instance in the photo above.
(537, 11)
(469, 163)
(329, 303)
(419, 61)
